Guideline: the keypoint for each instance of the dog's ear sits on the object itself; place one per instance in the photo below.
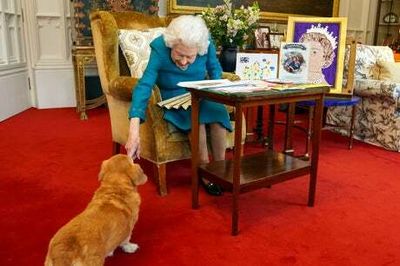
(137, 175)
(103, 169)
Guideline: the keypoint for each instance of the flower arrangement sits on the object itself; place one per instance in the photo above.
(230, 27)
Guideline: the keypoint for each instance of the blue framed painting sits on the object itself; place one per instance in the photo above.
(82, 35)
(327, 39)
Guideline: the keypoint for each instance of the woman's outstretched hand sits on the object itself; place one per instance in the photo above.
(132, 146)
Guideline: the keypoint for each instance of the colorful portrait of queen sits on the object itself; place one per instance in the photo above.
(323, 40)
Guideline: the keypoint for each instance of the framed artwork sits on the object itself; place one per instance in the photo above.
(257, 66)
(294, 62)
(82, 34)
(276, 10)
(327, 38)
(275, 39)
(261, 38)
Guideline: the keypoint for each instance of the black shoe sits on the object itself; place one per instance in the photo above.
(211, 188)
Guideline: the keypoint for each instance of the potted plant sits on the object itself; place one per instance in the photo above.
(230, 28)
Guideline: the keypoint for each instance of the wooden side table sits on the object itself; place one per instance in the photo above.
(247, 173)
(81, 56)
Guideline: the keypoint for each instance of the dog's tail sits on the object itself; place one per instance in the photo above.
(64, 262)
(48, 261)
(64, 259)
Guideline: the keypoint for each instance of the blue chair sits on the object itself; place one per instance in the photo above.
(330, 102)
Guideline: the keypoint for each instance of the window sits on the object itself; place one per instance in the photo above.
(11, 33)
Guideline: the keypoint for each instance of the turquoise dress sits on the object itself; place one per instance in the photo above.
(161, 70)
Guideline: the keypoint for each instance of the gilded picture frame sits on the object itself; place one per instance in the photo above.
(271, 10)
(80, 10)
(328, 38)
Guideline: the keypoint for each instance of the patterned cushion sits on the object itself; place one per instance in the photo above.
(136, 49)
(367, 57)
(389, 71)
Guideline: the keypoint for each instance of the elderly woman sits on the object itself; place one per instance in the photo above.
(183, 53)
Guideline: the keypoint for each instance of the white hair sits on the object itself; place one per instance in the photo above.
(188, 30)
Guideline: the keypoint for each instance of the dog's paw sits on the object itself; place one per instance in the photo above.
(129, 247)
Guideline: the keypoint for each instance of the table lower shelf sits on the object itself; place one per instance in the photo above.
(256, 170)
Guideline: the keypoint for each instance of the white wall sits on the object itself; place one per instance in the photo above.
(163, 5)
(14, 93)
(361, 18)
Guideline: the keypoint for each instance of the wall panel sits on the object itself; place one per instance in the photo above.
(14, 94)
(14, 89)
(50, 45)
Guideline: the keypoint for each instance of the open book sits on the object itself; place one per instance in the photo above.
(180, 101)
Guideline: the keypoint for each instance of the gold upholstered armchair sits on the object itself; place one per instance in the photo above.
(159, 144)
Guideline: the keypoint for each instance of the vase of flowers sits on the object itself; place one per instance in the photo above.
(230, 28)
(227, 58)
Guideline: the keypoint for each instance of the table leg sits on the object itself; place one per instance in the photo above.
(249, 124)
(236, 169)
(259, 123)
(316, 139)
(351, 133)
(288, 145)
(83, 115)
(271, 125)
(80, 58)
(80, 89)
(195, 151)
(309, 132)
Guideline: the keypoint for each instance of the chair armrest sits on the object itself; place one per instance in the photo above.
(121, 88)
(377, 88)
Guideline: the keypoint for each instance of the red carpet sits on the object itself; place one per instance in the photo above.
(48, 172)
